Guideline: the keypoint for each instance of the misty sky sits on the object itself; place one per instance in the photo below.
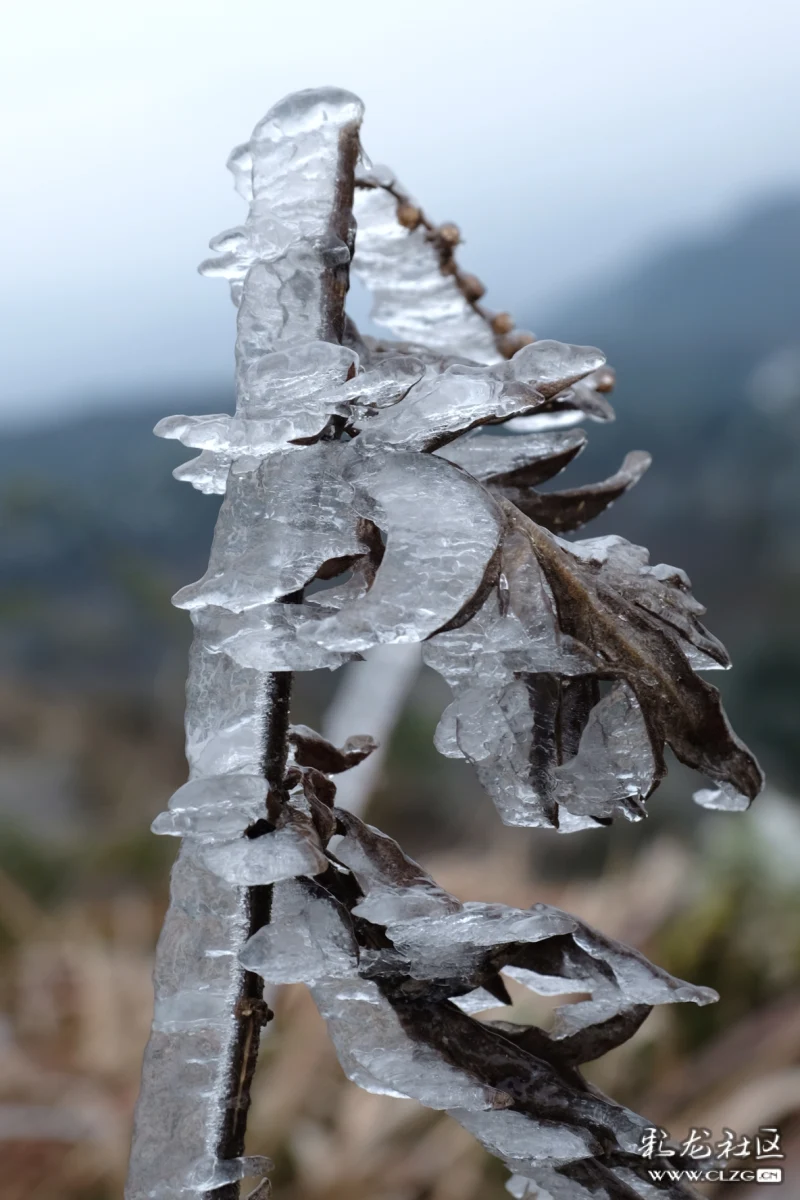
(565, 137)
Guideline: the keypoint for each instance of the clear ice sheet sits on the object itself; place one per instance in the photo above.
(411, 296)
(526, 458)
(281, 519)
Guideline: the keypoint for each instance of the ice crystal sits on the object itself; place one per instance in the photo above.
(361, 465)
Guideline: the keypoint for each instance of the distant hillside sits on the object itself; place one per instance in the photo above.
(733, 291)
(98, 534)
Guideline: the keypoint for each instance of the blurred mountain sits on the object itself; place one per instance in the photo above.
(733, 292)
(705, 336)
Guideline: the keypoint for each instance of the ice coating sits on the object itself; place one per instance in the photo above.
(397, 1033)
(269, 637)
(447, 403)
(277, 405)
(288, 173)
(306, 940)
(284, 265)
(401, 268)
(443, 530)
(503, 667)
(349, 463)
(524, 459)
(525, 672)
(281, 519)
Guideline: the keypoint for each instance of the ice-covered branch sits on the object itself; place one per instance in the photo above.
(290, 266)
(362, 465)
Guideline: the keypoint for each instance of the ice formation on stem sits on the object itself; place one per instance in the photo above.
(572, 665)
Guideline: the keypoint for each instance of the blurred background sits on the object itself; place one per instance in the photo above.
(625, 175)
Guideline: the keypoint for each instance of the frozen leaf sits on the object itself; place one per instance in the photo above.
(281, 520)
(308, 938)
(313, 750)
(525, 670)
(396, 887)
(614, 765)
(511, 713)
(377, 1054)
(585, 398)
(521, 461)
(442, 530)
(638, 619)
(567, 510)
(448, 403)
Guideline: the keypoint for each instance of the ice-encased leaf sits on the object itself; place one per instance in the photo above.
(639, 619)
(283, 396)
(585, 398)
(396, 1032)
(614, 765)
(281, 519)
(525, 669)
(442, 533)
(445, 404)
(307, 938)
(411, 295)
(376, 1053)
(441, 939)
(523, 460)
(509, 713)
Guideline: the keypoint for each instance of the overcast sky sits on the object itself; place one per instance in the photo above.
(565, 137)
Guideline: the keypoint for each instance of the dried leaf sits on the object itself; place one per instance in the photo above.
(311, 749)
(568, 510)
